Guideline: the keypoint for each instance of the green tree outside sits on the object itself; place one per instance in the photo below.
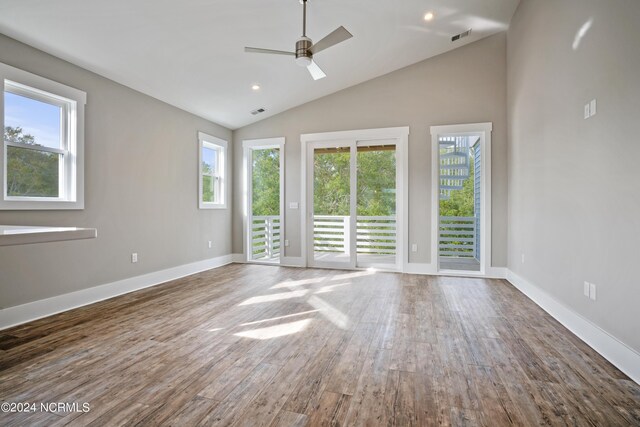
(376, 179)
(30, 173)
(461, 201)
(376, 185)
(265, 194)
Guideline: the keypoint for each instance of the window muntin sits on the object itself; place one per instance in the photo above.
(212, 185)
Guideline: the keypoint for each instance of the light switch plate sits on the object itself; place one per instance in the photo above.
(587, 110)
(293, 205)
(593, 108)
(586, 289)
(592, 291)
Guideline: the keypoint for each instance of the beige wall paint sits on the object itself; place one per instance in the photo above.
(141, 192)
(466, 85)
(574, 184)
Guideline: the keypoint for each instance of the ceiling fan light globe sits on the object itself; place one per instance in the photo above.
(303, 61)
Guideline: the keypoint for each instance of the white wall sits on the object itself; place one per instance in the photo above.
(466, 85)
(141, 192)
(574, 184)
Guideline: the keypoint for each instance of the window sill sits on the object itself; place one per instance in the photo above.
(22, 235)
(212, 206)
(39, 205)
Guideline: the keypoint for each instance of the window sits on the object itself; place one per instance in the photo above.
(42, 151)
(212, 185)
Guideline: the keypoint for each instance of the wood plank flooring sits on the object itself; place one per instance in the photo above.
(251, 345)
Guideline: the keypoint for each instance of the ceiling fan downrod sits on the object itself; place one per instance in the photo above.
(303, 55)
(304, 18)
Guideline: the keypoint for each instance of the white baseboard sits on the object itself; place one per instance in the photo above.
(19, 314)
(496, 273)
(292, 261)
(238, 258)
(611, 348)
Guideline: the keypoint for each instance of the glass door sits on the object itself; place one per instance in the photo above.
(353, 186)
(376, 225)
(332, 235)
(264, 163)
(459, 220)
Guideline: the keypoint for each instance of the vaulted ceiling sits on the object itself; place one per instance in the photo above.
(189, 53)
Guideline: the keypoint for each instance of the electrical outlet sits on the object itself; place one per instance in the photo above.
(414, 247)
(209, 244)
(286, 242)
(134, 257)
(592, 291)
(586, 289)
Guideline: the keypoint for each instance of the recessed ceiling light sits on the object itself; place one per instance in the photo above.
(429, 16)
(255, 87)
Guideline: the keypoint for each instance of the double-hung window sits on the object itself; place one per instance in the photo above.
(212, 184)
(42, 149)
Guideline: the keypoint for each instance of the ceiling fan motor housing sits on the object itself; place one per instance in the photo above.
(303, 55)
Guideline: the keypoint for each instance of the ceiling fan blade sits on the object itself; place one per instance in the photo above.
(337, 36)
(315, 71)
(275, 52)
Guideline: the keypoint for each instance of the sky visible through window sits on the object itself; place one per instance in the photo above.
(209, 158)
(36, 118)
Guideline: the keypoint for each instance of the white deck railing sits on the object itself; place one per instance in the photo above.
(375, 234)
(457, 237)
(265, 238)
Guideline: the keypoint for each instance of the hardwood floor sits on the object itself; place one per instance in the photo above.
(253, 345)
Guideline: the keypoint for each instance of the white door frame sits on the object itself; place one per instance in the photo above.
(400, 136)
(248, 146)
(483, 130)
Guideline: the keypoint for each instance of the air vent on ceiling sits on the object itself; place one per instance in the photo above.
(258, 111)
(461, 35)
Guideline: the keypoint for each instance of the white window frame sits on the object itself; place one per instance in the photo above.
(220, 145)
(72, 102)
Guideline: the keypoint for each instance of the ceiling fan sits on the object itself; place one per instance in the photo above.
(305, 48)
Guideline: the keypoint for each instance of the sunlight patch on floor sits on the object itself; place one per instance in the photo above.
(353, 275)
(275, 297)
(276, 330)
(280, 317)
(293, 283)
(331, 313)
(330, 288)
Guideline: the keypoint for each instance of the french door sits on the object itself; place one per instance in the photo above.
(264, 199)
(461, 204)
(352, 201)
